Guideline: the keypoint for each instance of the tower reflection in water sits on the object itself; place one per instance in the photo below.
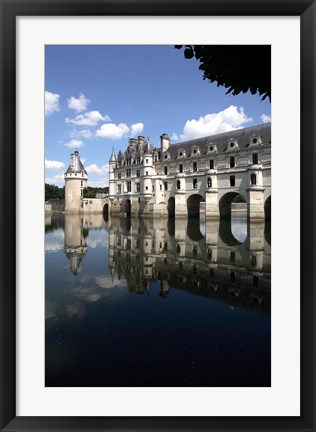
(157, 302)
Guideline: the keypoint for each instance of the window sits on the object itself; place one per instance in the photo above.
(153, 188)
(232, 257)
(137, 187)
(232, 162)
(166, 170)
(232, 277)
(146, 160)
(255, 281)
(147, 188)
(209, 182)
(119, 175)
(232, 180)
(194, 166)
(254, 260)
(119, 189)
(138, 173)
(180, 154)
(146, 173)
(212, 164)
(129, 186)
(255, 158)
(232, 144)
(166, 186)
(180, 168)
(159, 155)
(195, 183)
(178, 184)
(194, 151)
(253, 179)
(81, 183)
(128, 172)
(160, 186)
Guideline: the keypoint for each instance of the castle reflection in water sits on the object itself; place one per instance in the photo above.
(225, 261)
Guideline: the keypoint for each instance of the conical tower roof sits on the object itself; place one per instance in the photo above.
(113, 157)
(76, 165)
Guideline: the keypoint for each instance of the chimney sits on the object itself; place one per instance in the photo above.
(164, 142)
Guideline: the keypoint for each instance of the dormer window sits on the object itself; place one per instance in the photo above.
(255, 141)
(232, 145)
(195, 151)
(181, 153)
(212, 148)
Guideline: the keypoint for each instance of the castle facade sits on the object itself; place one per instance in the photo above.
(206, 174)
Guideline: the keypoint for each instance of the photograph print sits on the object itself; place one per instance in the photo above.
(157, 216)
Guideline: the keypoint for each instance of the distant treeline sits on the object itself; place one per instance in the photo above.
(55, 192)
(91, 192)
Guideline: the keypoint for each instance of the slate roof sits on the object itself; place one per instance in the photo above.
(221, 140)
(77, 167)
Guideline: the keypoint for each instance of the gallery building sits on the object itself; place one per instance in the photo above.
(181, 179)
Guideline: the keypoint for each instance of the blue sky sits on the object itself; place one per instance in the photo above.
(97, 97)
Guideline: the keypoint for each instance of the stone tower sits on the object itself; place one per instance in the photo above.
(76, 178)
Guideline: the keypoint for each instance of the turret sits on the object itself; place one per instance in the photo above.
(147, 168)
(76, 179)
(112, 166)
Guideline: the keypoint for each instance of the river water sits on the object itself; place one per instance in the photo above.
(157, 302)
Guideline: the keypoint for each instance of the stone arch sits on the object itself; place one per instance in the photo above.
(127, 207)
(106, 209)
(267, 208)
(193, 205)
(226, 235)
(105, 212)
(226, 201)
(171, 206)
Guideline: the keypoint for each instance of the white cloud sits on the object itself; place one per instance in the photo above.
(51, 103)
(74, 143)
(58, 178)
(174, 137)
(91, 118)
(107, 281)
(94, 169)
(265, 118)
(136, 129)
(113, 131)
(85, 133)
(79, 104)
(54, 165)
(54, 245)
(229, 119)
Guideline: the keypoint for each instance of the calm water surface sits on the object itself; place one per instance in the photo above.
(157, 302)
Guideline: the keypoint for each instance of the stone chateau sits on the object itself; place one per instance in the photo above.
(204, 174)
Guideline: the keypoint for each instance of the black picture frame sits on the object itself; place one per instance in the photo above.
(9, 10)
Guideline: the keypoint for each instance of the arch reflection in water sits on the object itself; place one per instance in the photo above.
(239, 273)
(156, 302)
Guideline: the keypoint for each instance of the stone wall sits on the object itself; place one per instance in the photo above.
(56, 205)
